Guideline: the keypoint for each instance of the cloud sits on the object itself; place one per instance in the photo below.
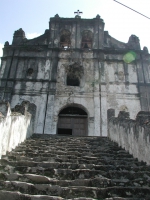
(32, 35)
(1, 51)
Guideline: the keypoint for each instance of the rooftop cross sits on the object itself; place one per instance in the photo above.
(78, 12)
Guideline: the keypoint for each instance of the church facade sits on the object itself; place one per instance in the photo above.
(73, 74)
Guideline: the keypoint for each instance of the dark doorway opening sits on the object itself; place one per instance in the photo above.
(64, 131)
(73, 111)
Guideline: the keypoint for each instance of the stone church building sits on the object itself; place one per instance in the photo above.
(73, 74)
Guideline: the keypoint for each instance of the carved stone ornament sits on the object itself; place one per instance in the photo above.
(57, 16)
(19, 33)
(98, 16)
(145, 50)
(6, 43)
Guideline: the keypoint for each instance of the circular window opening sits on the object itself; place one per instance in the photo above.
(29, 72)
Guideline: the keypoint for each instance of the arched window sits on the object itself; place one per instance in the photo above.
(86, 39)
(65, 41)
(74, 74)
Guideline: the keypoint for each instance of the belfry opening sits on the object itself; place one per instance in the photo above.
(72, 121)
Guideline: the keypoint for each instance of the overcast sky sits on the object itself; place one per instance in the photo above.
(33, 17)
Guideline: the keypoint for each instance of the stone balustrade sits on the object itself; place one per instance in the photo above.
(14, 127)
(132, 135)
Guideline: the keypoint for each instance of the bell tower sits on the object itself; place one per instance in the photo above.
(76, 33)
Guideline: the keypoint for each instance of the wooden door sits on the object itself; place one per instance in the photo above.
(65, 122)
(78, 125)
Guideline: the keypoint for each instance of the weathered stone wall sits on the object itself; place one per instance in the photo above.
(14, 128)
(118, 87)
(133, 135)
(106, 82)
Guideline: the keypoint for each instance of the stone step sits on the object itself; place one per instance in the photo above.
(76, 191)
(132, 167)
(23, 165)
(138, 182)
(71, 142)
(120, 198)
(39, 179)
(77, 155)
(80, 173)
(80, 160)
(100, 181)
(65, 151)
(70, 153)
(52, 160)
(61, 173)
(7, 195)
(74, 147)
(10, 195)
(59, 165)
(127, 174)
(117, 164)
(87, 141)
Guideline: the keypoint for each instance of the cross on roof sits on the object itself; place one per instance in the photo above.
(78, 12)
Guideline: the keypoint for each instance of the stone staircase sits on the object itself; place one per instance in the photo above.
(47, 167)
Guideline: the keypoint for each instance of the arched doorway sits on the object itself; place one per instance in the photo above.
(72, 121)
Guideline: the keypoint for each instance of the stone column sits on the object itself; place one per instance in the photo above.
(97, 120)
(49, 115)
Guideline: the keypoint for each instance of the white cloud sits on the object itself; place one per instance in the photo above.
(32, 35)
(1, 51)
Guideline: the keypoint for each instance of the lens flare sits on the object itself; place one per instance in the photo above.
(129, 57)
